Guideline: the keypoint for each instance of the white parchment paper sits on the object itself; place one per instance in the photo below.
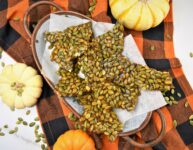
(148, 100)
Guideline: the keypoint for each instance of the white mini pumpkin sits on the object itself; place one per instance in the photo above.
(139, 15)
(20, 86)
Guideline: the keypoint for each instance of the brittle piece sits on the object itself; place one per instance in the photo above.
(99, 119)
(70, 43)
(151, 79)
(115, 65)
(70, 84)
(114, 96)
(112, 42)
(92, 63)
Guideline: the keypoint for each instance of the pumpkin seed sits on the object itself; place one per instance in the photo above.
(72, 117)
(25, 123)
(92, 6)
(179, 95)
(11, 131)
(175, 123)
(18, 122)
(44, 141)
(186, 104)
(32, 124)
(172, 91)
(28, 112)
(42, 135)
(16, 19)
(191, 54)
(6, 126)
(37, 140)
(175, 102)
(36, 119)
(33, 26)
(54, 9)
(152, 47)
(2, 134)
(43, 146)
(191, 117)
(36, 127)
(20, 119)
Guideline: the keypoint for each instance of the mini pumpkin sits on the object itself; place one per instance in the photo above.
(139, 14)
(20, 85)
(74, 140)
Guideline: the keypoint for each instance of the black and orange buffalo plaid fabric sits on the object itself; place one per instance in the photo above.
(53, 113)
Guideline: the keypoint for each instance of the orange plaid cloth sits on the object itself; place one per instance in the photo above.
(53, 113)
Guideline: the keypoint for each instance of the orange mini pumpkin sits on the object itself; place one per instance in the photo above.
(74, 140)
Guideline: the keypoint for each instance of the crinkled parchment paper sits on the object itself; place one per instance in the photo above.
(148, 100)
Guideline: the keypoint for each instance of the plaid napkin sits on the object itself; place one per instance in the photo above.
(53, 113)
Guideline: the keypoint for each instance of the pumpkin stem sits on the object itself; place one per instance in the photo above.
(17, 86)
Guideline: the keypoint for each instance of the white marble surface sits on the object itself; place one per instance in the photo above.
(183, 42)
(183, 35)
(24, 139)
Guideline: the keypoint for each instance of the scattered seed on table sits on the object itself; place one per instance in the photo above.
(191, 117)
(33, 25)
(36, 119)
(175, 123)
(167, 98)
(18, 122)
(170, 103)
(25, 123)
(36, 127)
(5, 126)
(172, 91)
(32, 124)
(191, 54)
(37, 140)
(43, 146)
(53, 8)
(2, 134)
(172, 98)
(186, 104)
(179, 95)
(20, 119)
(11, 131)
(42, 135)
(16, 19)
(44, 140)
(37, 136)
(28, 112)
(36, 132)
(152, 47)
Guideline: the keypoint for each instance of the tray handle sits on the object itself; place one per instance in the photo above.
(25, 22)
(153, 142)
